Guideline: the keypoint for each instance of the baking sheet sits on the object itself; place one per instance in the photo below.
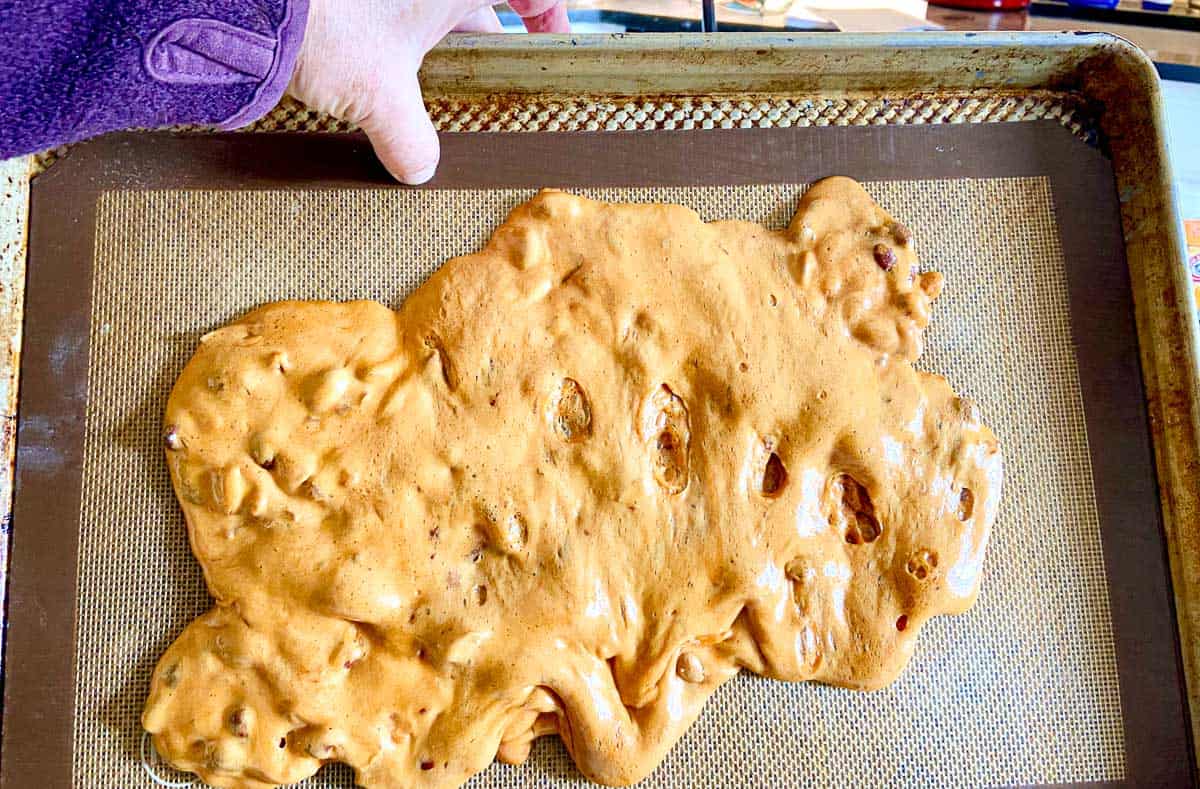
(1022, 690)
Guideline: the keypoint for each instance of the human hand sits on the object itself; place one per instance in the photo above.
(359, 62)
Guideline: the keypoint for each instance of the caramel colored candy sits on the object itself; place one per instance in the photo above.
(574, 484)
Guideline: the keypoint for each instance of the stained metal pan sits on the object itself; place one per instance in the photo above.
(918, 96)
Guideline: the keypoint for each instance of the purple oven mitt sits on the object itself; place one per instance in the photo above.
(71, 69)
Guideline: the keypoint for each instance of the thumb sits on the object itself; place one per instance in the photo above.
(400, 130)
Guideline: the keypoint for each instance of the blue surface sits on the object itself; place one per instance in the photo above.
(1179, 72)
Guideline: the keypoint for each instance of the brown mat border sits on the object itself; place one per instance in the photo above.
(39, 681)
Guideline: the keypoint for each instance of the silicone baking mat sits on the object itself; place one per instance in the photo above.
(1066, 670)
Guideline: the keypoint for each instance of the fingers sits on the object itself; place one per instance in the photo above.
(482, 20)
(542, 16)
(528, 8)
(400, 129)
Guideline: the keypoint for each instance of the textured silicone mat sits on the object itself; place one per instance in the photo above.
(571, 113)
(551, 113)
(1022, 689)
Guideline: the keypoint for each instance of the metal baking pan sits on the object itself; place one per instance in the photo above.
(913, 110)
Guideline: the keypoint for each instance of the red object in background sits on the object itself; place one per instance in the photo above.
(983, 5)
